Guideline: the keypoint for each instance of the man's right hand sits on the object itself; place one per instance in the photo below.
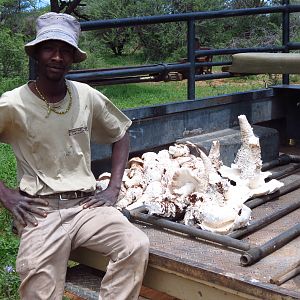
(21, 207)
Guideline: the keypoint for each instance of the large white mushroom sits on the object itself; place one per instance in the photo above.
(210, 215)
(183, 183)
(246, 170)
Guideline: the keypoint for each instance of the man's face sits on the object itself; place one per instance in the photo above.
(54, 59)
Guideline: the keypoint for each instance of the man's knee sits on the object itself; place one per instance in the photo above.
(140, 247)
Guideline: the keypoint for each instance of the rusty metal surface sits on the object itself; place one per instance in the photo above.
(214, 263)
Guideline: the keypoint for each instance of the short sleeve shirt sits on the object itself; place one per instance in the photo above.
(53, 152)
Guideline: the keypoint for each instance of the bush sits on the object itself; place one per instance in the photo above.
(13, 60)
(9, 279)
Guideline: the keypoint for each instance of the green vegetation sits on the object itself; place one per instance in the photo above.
(9, 280)
(134, 95)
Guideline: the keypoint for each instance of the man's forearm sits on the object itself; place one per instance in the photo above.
(3, 192)
(120, 152)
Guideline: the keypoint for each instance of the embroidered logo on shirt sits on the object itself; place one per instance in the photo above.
(78, 130)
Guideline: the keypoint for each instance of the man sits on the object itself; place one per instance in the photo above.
(50, 122)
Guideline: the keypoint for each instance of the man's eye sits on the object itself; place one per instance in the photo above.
(67, 50)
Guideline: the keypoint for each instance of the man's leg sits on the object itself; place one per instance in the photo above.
(107, 231)
(44, 253)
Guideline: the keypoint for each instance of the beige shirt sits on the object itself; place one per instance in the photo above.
(53, 153)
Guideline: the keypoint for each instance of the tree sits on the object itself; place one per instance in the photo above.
(161, 41)
(12, 62)
(68, 7)
(115, 38)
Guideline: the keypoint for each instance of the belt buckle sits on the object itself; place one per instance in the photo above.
(63, 199)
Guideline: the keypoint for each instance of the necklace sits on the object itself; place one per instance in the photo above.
(51, 108)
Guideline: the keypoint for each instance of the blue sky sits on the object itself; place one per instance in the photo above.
(43, 3)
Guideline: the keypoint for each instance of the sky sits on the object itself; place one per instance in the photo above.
(43, 3)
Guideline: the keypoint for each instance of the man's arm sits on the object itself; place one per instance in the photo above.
(120, 152)
(21, 207)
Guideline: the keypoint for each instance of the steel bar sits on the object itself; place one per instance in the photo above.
(199, 233)
(283, 173)
(123, 80)
(283, 159)
(294, 158)
(265, 221)
(285, 35)
(212, 64)
(214, 76)
(191, 87)
(131, 71)
(239, 50)
(115, 76)
(113, 23)
(256, 254)
(287, 274)
(293, 45)
(282, 191)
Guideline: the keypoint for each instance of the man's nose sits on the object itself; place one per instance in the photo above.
(57, 55)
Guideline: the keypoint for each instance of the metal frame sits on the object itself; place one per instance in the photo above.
(134, 74)
(129, 75)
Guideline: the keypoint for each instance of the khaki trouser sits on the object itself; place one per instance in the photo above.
(44, 251)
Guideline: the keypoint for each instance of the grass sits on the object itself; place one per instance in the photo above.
(146, 94)
(153, 93)
(9, 280)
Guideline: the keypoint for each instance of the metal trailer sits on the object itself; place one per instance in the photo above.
(192, 264)
(261, 262)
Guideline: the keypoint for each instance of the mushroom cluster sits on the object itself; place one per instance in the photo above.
(186, 185)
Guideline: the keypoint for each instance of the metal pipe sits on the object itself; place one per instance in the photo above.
(214, 76)
(283, 159)
(283, 173)
(239, 50)
(211, 64)
(113, 23)
(124, 80)
(265, 221)
(199, 233)
(294, 158)
(108, 76)
(287, 274)
(191, 87)
(152, 69)
(293, 45)
(255, 254)
(282, 191)
(285, 35)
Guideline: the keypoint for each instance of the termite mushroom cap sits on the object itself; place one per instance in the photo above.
(104, 176)
(135, 161)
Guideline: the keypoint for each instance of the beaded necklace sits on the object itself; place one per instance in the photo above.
(51, 108)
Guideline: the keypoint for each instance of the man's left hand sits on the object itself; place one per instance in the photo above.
(108, 197)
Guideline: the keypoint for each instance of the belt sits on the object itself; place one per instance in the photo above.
(63, 196)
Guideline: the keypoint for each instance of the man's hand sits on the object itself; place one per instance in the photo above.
(108, 197)
(21, 207)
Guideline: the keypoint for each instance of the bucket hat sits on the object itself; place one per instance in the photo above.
(57, 26)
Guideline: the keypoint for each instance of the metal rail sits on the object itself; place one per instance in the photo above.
(171, 18)
(255, 254)
(96, 77)
(266, 220)
(191, 231)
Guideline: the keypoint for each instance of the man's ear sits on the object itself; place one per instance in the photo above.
(35, 54)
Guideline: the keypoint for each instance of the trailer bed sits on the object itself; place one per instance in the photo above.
(190, 268)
